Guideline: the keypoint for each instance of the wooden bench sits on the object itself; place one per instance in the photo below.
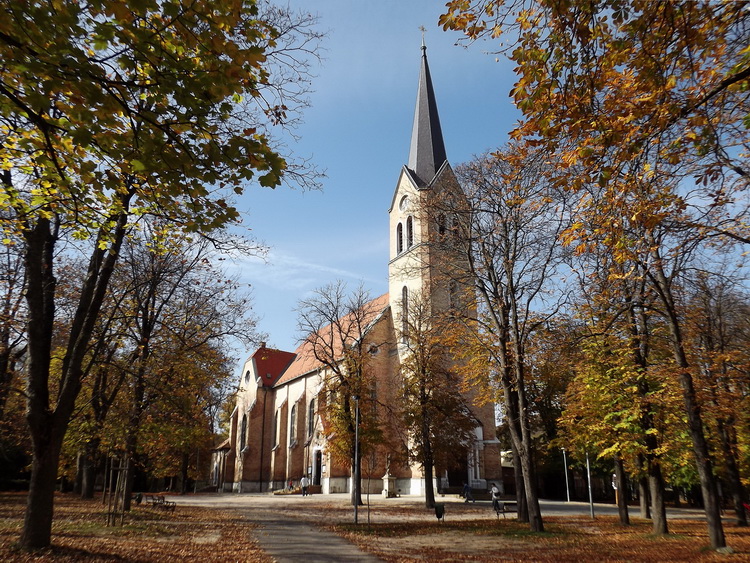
(503, 508)
(160, 502)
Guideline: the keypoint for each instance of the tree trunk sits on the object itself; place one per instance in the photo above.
(729, 448)
(429, 490)
(643, 496)
(428, 463)
(522, 506)
(88, 469)
(184, 466)
(656, 492)
(37, 525)
(622, 492)
(691, 404)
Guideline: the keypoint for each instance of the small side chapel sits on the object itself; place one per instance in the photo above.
(276, 432)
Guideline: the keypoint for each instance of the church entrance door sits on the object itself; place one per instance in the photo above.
(317, 467)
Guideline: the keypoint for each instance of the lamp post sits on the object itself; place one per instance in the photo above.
(355, 480)
(591, 495)
(565, 468)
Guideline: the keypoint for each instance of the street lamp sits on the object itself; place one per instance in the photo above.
(591, 495)
(565, 468)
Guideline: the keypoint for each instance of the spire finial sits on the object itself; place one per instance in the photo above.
(423, 30)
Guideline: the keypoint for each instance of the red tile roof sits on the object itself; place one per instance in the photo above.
(305, 362)
(270, 364)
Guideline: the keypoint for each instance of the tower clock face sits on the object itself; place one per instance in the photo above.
(404, 203)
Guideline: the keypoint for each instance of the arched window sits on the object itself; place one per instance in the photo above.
(311, 417)
(404, 313)
(441, 224)
(293, 425)
(275, 435)
(247, 376)
(243, 432)
(409, 232)
(399, 238)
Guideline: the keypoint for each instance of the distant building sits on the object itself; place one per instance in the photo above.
(276, 432)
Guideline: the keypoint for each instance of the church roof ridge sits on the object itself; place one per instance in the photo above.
(427, 150)
(305, 361)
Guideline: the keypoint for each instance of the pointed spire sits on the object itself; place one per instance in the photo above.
(427, 151)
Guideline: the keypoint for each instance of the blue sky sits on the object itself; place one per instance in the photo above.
(358, 130)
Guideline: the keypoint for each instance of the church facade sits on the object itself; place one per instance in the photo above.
(277, 434)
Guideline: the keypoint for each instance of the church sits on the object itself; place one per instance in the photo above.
(277, 434)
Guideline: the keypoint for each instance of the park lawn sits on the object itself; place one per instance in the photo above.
(79, 533)
(576, 539)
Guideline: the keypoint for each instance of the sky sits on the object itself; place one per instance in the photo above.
(357, 131)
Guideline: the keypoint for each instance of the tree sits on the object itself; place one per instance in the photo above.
(439, 425)
(716, 326)
(506, 229)
(335, 325)
(635, 97)
(12, 314)
(112, 111)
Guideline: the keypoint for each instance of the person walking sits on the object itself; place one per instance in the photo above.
(304, 483)
(468, 496)
(495, 497)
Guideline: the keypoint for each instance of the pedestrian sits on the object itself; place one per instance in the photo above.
(495, 497)
(468, 496)
(304, 483)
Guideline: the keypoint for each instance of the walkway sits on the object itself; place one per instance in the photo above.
(292, 540)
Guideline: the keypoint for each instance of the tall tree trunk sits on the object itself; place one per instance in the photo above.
(184, 466)
(729, 449)
(692, 406)
(428, 464)
(643, 496)
(88, 469)
(622, 491)
(37, 525)
(656, 492)
(522, 505)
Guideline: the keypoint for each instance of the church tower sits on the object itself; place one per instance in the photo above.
(427, 177)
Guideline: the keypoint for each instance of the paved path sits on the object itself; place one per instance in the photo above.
(291, 541)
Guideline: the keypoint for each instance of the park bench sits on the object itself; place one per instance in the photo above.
(160, 502)
(503, 508)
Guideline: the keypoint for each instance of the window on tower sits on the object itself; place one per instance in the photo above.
(399, 238)
(404, 314)
(409, 232)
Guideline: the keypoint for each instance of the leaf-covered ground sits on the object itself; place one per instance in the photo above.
(565, 539)
(79, 533)
(214, 528)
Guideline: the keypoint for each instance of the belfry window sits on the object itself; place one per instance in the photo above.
(404, 313)
(399, 238)
(409, 232)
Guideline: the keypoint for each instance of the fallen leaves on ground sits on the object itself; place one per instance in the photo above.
(149, 534)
